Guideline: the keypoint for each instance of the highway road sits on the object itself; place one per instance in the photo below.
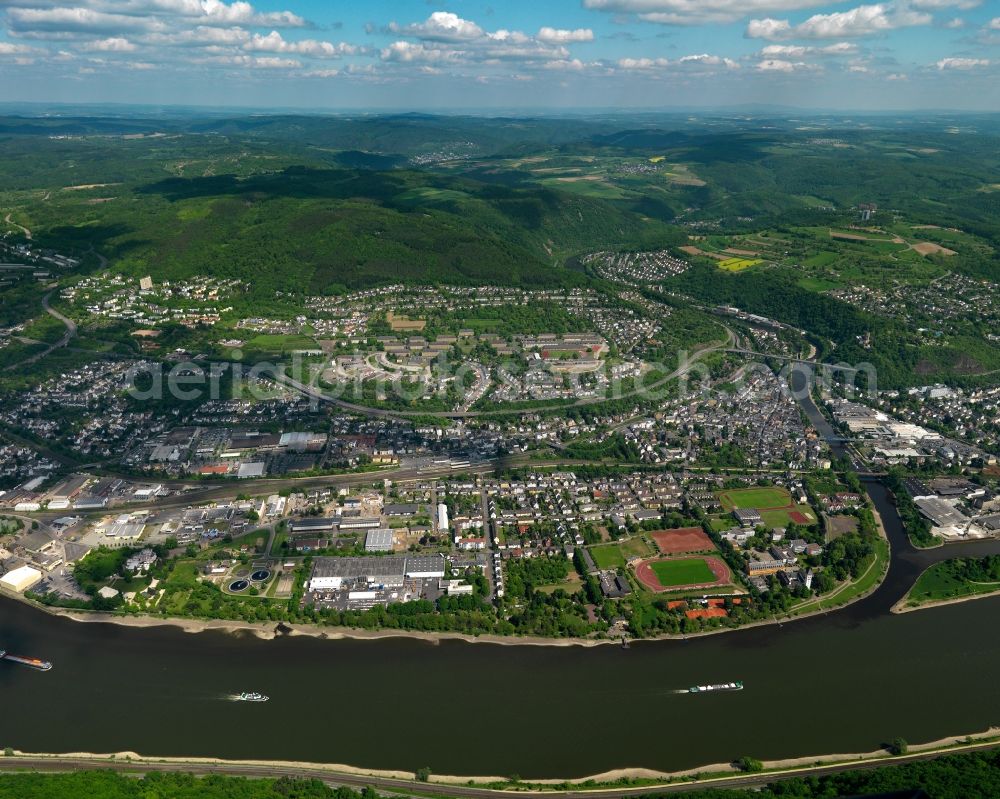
(62, 342)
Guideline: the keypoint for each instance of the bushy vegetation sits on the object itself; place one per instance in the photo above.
(106, 784)
(956, 776)
(953, 579)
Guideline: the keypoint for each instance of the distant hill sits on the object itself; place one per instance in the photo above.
(318, 230)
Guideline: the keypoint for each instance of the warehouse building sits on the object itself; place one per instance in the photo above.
(334, 574)
(380, 540)
(312, 525)
(21, 579)
(360, 523)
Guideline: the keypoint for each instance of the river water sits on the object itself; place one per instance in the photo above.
(846, 681)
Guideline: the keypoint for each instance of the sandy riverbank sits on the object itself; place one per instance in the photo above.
(612, 779)
(902, 607)
(272, 630)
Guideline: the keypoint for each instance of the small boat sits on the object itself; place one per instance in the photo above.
(722, 686)
(252, 696)
(33, 663)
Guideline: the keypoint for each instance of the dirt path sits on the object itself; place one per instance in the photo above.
(9, 221)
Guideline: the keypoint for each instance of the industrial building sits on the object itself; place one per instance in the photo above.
(380, 540)
(312, 525)
(942, 513)
(21, 579)
(334, 574)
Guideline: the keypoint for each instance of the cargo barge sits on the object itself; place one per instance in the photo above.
(31, 663)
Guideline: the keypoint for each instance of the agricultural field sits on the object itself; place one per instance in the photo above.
(738, 264)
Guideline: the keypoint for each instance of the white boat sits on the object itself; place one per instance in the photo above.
(252, 696)
(722, 686)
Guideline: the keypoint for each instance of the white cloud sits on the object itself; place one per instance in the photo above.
(694, 12)
(561, 36)
(321, 73)
(781, 65)
(248, 62)
(441, 26)
(770, 29)
(994, 24)
(782, 50)
(272, 62)
(703, 59)
(860, 21)
(210, 12)
(938, 5)
(962, 63)
(800, 50)
(40, 21)
(10, 48)
(107, 16)
(840, 48)
(642, 63)
(471, 43)
(275, 43)
(565, 65)
(114, 44)
(409, 52)
(708, 60)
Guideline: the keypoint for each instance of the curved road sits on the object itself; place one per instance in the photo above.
(9, 221)
(71, 331)
(316, 394)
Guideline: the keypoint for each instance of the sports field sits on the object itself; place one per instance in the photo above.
(780, 517)
(761, 498)
(669, 574)
(687, 571)
(684, 539)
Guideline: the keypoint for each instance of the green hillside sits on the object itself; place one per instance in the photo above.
(319, 230)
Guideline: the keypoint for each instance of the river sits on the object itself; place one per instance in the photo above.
(846, 681)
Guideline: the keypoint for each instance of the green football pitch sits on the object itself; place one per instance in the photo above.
(686, 571)
(767, 497)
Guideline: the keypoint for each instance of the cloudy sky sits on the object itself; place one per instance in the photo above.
(476, 54)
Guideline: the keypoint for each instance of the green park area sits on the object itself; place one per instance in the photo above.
(616, 555)
(956, 579)
(279, 343)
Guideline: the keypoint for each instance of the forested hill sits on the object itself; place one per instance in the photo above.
(322, 229)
